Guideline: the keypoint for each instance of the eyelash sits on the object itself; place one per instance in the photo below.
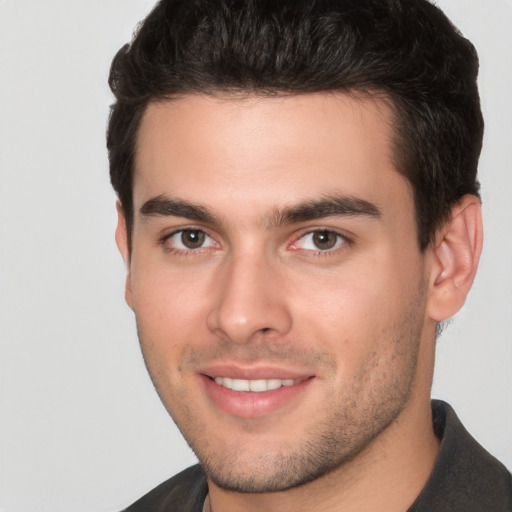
(341, 241)
(164, 241)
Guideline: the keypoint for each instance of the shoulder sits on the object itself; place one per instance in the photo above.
(465, 476)
(184, 492)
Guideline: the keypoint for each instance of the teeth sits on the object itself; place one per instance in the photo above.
(257, 386)
(240, 385)
(274, 384)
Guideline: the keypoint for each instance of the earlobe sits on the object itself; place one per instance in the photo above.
(124, 249)
(456, 254)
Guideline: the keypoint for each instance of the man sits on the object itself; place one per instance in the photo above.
(299, 213)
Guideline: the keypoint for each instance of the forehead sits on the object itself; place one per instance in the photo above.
(231, 153)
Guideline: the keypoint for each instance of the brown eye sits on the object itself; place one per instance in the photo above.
(189, 240)
(320, 240)
(192, 238)
(325, 240)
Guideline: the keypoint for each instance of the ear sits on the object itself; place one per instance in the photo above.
(124, 248)
(456, 253)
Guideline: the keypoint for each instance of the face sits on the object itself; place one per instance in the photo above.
(276, 280)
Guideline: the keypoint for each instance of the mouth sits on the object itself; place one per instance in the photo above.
(254, 393)
(256, 385)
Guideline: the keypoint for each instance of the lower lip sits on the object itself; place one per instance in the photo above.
(247, 404)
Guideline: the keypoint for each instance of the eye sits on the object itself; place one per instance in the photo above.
(189, 239)
(319, 240)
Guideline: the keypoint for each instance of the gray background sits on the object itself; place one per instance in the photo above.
(81, 428)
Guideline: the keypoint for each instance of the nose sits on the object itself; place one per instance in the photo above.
(250, 298)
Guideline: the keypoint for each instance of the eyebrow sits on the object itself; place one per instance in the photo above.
(327, 206)
(163, 206)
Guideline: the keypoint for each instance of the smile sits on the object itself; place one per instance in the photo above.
(254, 397)
(257, 385)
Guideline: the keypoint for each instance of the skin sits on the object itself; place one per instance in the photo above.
(345, 302)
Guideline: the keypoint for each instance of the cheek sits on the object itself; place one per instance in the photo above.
(168, 321)
(169, 307)
(354, 311)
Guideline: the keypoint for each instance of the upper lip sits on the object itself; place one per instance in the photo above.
(252, 372)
